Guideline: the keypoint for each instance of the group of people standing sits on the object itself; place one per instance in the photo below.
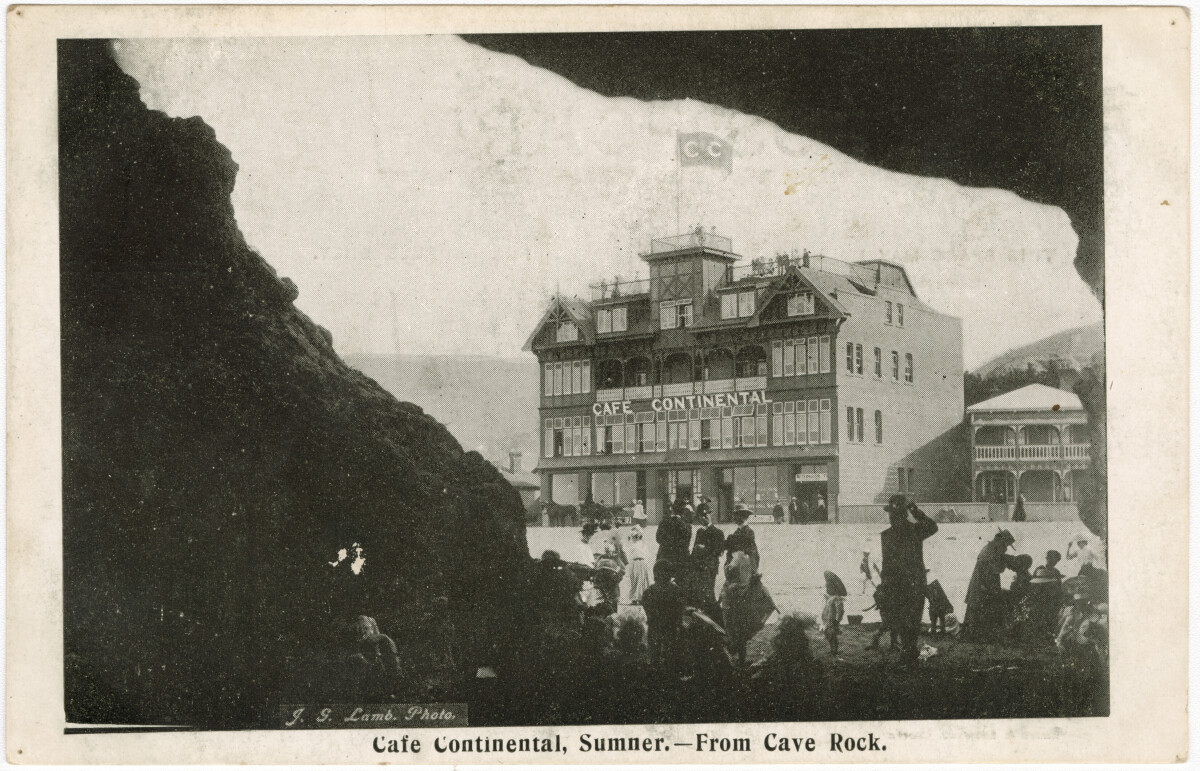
(680, 589)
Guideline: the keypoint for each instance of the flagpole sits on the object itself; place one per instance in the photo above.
(678, 181)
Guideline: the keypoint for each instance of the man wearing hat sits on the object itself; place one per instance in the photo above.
(903, 571)
(674, 537)
(985, 600)
(706, 558)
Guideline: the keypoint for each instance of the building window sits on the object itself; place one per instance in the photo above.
(826, 421)
(746, 304)
(548, 439)
(878, 427)
(564, 489)
(729, 305)
(777, 358)
(858, 424)
(814, 421)
(899, 315)
(585, 440)
(850, 358)
(858, 359)
(895, 366)
(801, 304)
(801, 357)
(567, 332)
(878, 363)
(824, 355)
(777, 424)
(789, 423)
(603, 321)
(887, 312)
(675, 314)
(727, 435)
(789, 357)
(567, 377)
(620, 319)
(760, 425)
(908, 368)
(849, 424)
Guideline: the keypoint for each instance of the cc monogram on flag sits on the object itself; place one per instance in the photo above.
(703, 149)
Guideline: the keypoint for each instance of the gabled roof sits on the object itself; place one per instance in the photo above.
(825, 285)
(577, 310)
(1030, 398)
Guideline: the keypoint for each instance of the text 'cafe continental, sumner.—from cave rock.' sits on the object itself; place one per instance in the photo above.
(799, 376)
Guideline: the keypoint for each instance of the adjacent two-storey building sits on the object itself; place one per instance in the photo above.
(799, 377)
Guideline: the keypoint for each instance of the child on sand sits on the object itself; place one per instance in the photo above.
(939, 607)
(835, 609)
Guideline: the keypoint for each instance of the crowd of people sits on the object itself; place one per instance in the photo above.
(678, 592)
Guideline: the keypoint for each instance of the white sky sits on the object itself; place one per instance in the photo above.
(460, 187)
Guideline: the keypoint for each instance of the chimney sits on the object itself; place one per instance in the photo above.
(514, 463)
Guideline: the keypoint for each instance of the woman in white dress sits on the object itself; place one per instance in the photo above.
(639, 568)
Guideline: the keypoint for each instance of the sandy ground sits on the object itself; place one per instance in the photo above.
(795, 557)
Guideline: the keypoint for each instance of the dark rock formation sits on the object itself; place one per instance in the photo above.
(217, 453)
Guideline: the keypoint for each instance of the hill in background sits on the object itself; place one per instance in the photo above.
(490, 404)
(1074, 347)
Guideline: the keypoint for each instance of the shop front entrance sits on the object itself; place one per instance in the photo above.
(810, 488)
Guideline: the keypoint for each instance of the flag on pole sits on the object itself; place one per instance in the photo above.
(703, 149)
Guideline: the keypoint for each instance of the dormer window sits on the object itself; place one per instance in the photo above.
(567, 332)
(612, 320)
(801, 304)
(737, 305)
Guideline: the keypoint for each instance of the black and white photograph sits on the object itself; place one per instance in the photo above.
(595, 379)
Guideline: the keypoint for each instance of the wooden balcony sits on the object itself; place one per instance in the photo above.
(1034, 452)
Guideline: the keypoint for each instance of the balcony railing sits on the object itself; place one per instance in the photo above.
(690, 241)
(698, 387)
(609, 290)
(777, 265)
(1034, 452)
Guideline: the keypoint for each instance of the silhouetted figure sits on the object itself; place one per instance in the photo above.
(985, 599)
(674, 536)
(706, 562)
(664, 603)
(904, 571)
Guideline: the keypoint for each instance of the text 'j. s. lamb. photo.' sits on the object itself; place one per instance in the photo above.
(633, 396)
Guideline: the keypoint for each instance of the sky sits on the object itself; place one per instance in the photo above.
(429, 196)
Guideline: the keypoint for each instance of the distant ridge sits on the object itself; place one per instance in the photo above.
(1076, 345)
(489, 403)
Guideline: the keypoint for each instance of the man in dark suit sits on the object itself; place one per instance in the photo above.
(706, 558)
(674, 537)
(903, 571)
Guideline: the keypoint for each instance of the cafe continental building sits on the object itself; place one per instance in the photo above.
(797, 377)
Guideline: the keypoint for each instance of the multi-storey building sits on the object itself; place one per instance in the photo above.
(1033, 441)
(801, 377)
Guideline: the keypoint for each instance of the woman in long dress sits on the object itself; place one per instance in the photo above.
(639, 570)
